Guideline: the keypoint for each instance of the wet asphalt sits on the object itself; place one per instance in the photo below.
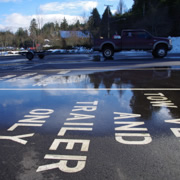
(107, 122)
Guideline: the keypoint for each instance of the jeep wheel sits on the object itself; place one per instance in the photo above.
(160, 52)
(30, 55)
(108, 52)
(41, 56)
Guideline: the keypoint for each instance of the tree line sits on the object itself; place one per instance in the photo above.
(50, 32)
(160, 17)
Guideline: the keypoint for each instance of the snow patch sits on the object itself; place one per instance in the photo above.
(176, 44)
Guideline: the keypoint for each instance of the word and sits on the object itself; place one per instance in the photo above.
(125, 131)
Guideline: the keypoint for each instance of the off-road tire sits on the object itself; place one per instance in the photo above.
(30, 55)
(108, 52)
(160, 51)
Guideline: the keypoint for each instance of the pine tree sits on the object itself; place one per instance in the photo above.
(94, 23)
(77, 25)
(21, 36)
(105, 23)
(64, 24)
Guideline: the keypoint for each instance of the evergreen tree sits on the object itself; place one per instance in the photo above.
(21, 37)
(140, 7)
(48, 29)
(77, 25)
(105, 23)
(152, 15)
(174, 14)
(94, 23)
(64, 24)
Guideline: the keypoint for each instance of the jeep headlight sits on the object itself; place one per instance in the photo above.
(170, 41)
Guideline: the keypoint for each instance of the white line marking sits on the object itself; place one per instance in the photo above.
(89, 89)
(136, 69)
(172, 57)
(7, 77)
(121, 68)
(79, 124)
(63, 72)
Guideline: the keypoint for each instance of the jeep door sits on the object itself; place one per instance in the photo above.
(128, 40)
(143, 40)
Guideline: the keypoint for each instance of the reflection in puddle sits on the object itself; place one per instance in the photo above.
(108, 80)
(88, 86)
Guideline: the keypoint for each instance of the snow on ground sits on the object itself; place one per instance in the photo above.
(176, 44)
(78, 50)
(9, 53)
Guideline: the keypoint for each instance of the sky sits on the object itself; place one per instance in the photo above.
(19, 13)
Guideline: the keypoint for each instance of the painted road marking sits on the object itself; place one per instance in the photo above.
(106, 68)
(24, 76)
(124, 131)
(130, 126)
(18, 138)
(7, 77)
(35, 118)
(89, 89)
(159, 100)
(63, 72)
(63, 165)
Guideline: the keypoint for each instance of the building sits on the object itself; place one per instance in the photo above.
(79, 34)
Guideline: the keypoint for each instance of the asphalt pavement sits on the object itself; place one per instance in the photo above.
(75, 118)
(86, 61)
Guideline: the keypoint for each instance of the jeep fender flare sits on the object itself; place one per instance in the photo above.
(160, 43)
(107, 43)
(160, 50)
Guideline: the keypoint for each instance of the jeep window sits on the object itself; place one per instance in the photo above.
(129, 34)
(143, 35)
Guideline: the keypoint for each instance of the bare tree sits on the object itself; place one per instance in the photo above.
(6, 38)
(33, 31)
(121, 7)
(39, 21)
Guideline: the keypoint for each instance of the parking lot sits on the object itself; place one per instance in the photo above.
(74, 118)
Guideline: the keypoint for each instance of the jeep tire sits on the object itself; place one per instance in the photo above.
(30, 55)
(108, 52)
(160, 52)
